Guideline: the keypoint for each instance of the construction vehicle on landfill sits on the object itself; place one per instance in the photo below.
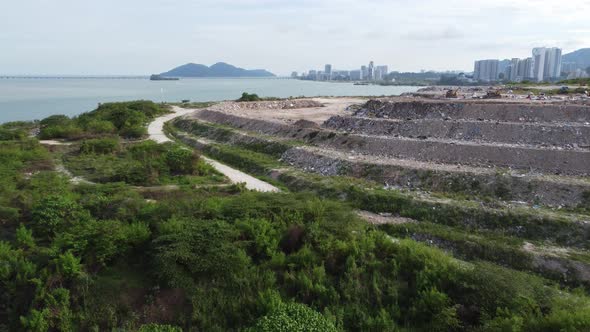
(451, 93)
(493, 94)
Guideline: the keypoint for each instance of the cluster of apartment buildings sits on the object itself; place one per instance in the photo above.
(544, 65)
(365, 73)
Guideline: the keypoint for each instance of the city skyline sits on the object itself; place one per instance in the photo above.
(135, 37)
(544, 64)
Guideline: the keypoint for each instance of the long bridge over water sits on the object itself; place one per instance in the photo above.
(123, 77)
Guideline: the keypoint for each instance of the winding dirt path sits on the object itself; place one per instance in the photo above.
(156, 133)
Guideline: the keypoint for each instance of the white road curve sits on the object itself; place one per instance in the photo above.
(156, 133)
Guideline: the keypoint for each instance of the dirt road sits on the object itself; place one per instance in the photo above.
(331, 107)
(156, 133)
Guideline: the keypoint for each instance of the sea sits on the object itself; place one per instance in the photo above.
(37, 98)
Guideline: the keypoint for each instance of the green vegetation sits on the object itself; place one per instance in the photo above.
(126, 119)
(254, 97)
(254, 142)
(15, 130)
(194, 104)
(110, 257)
(577, 81)
(144, 164)
(249, 97)
(369, 195)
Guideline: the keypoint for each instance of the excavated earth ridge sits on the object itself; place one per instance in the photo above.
(541, 189)
(551, 190)
(572, 135)
(473, 110)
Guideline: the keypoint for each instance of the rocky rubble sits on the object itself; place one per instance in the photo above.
(439, 178)
(567, 136)
(267, 105)
(474, 110)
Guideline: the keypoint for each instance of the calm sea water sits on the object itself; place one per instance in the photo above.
(29, 99)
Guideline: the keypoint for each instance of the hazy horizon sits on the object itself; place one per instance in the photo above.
(67, 37)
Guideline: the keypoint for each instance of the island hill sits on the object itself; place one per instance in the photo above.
(219, 69)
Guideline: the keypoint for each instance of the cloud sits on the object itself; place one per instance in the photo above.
(431, 35)
(138, 36)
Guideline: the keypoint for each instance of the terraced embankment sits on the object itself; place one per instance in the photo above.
(529, 173)
(496, 197)
(504, 111)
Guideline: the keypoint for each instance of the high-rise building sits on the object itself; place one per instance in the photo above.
(371, 73)
(503, 68)
(539, 62)
(384, 70)
(364, 73)
(519, 69)
(552, 64)
(546, 63)
(381, 72)
(525, 69)
(356, 75)
(512, 70)
(313, 74)
(328, 72)
(570, 67)
(486, 70)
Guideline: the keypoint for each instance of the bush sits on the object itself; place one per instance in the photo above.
(100, 146)
(53, 214)
(293, 317)
(181, 160)
(249, 97)
(8, 214)
(69, 131)
(56, 120)
(11, 134)
(127, 119)
(159, 328)
(100, 127)
(136, 131)
(100, 242)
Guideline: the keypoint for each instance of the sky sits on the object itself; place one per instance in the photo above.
(139, 37)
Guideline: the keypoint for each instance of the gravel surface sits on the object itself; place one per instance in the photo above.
(383, 218)
(315, 110)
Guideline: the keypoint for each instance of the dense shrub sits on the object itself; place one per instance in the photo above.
(53, 214)
(249, 97)
(181, 160)
(128, 119)
(100, 127)
(100, 145)
(56, 120)
(104, 257)
(293, 317)
(11, 134)
(144, 163)
(159, 328)
(70, 131)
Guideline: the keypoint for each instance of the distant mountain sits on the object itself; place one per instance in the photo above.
(581, 57)
(219, 69)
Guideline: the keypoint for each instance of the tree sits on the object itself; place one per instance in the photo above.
(54, 213)
(181, 160)
(249, 97)
(293, 317)
(159, 328)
